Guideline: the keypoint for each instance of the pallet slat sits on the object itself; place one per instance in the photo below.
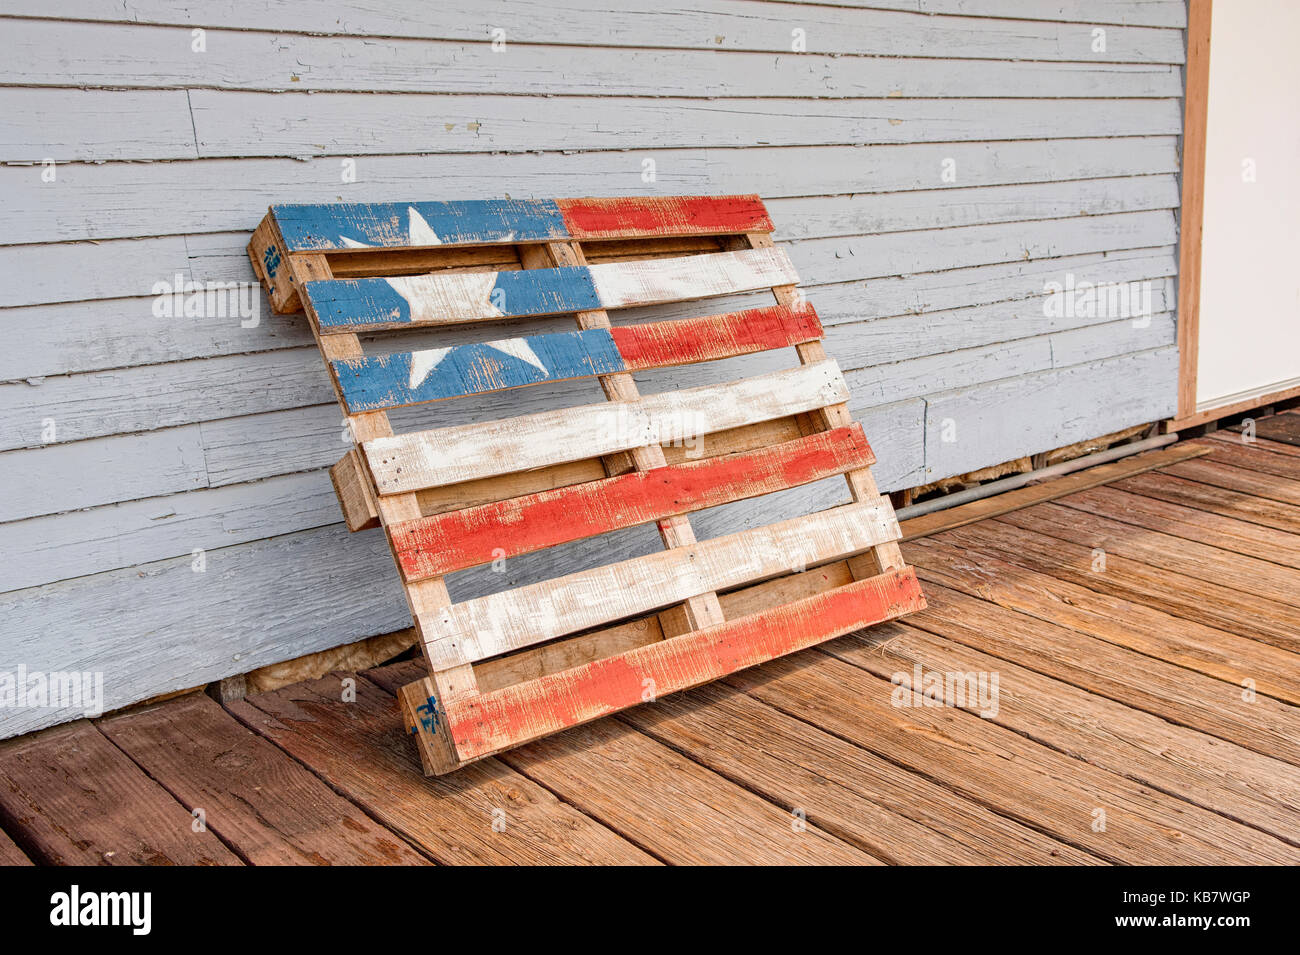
(338, 226)
(444, 456)
(506, 717)
(371, 383)
(511, 620)
(351, 305)
(444, 543)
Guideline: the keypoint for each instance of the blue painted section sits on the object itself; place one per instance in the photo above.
(373, 383)
(314, 228)
(368, 302)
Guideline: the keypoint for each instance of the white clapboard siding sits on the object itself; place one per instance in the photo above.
(250, 61)
(892, 28)
(125, 200)
(451, 455)
(229, 123)
(962, 425)
(489, 626)
(930, 165)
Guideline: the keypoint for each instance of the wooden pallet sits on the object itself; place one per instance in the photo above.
(520, 664)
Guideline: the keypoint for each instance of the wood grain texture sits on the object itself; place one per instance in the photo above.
(1217, 776)
(894, 814)
(1001, 769)
(1180, 696)
(443, 543)
(80, 801)
(511, 620)
(957, 559)
(262, 803)
(409, 462)
(363, 750)
(10, 854)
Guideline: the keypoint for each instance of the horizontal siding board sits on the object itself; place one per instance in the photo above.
(64, 477)
(62, 546)
(62, 53)
(1004, 420)
(351, 124)
(702, 24)
(131, 200)
(63, 125)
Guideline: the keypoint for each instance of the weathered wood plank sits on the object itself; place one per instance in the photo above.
(506, 717)
(232, 123)
(1243, 575)
(315, 228)
(1002, 770)
(1180, 696)
(361, 748)
(894, 814)
(1223, 778)
(236, 59)
(10, 854)
(262, 803)
(409, 462)
(374, 382)
(1227, 533)
(349, 305)
(706, 24)
(440, 544)
(958, 559)
(1271, 487)
(1215, 500)
(511, 620)
(1224, 608)
(79, 801)
(1209, 597)
(80, 125)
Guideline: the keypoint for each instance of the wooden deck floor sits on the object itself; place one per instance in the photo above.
(1144, 629)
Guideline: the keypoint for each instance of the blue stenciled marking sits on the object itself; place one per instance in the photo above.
(427, 713)
(321, 227)
(271, 260)
(386, 381)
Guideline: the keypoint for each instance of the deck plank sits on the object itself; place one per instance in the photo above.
(10, 854)
(1163, 689)
(678, 810)
(1215, 775)
(1228, 533)
(1247, 575)
(261, 802)
(1005, 771)
(80, 801)
(894, 814)
(364, 752)
(1215, 500)
(960, 559)
(1224, 608)
(1243, 480)
(1267, 457)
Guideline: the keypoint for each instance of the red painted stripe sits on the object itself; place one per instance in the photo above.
(442, 543)
(516, 714)
(716, 336)
(624, 218)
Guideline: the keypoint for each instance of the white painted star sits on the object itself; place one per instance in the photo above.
(432, 299)
(425, 361)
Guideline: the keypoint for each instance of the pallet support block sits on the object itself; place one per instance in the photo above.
(521, 664)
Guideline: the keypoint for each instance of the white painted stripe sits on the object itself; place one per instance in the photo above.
(444, 456)
(651, 281)
(498, 623)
